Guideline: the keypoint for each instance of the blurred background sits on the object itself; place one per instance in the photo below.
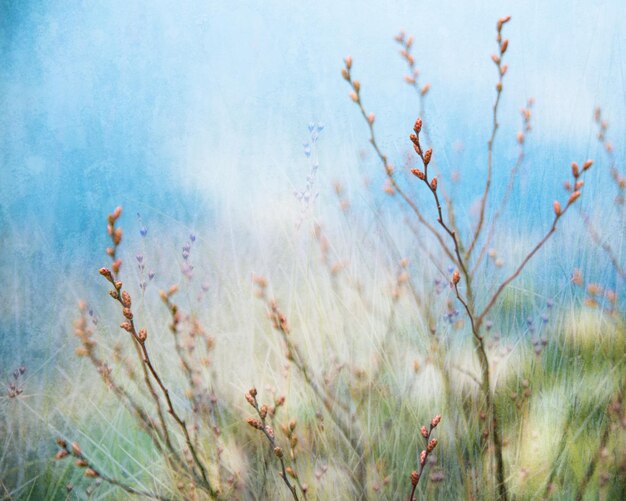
(183, 111)
(194, 116)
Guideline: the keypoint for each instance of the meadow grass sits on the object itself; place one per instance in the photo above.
(307, 362)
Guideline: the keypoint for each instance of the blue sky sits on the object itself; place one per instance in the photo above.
(192, 107)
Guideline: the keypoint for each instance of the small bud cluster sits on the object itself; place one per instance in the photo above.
(597, 296)
(278, 318)
(289, 431)
(573, 187)
(263, 412)
(402, 277)
(84, 332)
(406, 45)
(618, 178)
(526, 113)
(431, 443)
(116, 239)
(75, 451)
(522, 395)
(503, 45)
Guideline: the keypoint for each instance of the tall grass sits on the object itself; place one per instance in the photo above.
(398, 346)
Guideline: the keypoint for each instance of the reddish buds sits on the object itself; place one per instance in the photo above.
(432, 444)
(106, 273)
(557, 208)
(91, 473)
(587, 164)
(575, 170)
(502, 21)
(437, 419)
(424, 432)
(456, 278)
(255, 423)
(433, 184)
(76, 449)
(415, 478)
(573, 197)
(418, 173)
(418, 126)
(427, 156)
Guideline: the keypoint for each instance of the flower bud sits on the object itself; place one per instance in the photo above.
(418, 173)
(427, 156)
(456, 277)
(573, 197)
(418, 126)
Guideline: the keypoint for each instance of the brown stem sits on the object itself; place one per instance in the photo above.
(147, 362)
(494, 130)
(390, 175)
(92, 471)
